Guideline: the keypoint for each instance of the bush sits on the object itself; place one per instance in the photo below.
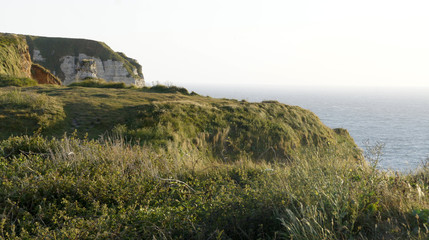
(6, 80)
(98, 83)
(159, 88)
(14, 146)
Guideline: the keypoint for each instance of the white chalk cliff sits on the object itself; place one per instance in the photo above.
(76, 68)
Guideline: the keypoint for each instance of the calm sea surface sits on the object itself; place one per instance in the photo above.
(397, 118)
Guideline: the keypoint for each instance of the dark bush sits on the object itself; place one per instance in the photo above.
(98, 83)
(159, 88)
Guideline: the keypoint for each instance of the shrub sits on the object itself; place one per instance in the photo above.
(6, 80)
(159, 88)
(14, 146)
(109, 188)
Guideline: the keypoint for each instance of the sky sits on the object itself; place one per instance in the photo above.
(277, 43)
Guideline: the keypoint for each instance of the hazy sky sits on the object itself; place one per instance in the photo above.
(245, 42)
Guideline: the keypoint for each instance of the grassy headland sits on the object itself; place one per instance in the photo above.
(182, 166)
(161, 115)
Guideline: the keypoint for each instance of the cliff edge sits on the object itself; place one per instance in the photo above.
(68, 59)
(65, 60)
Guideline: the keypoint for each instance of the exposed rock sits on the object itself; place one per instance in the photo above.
(43, 76)
(87, 68)
(79, 67)
(66, 58)
(37, 56)
(68, 67)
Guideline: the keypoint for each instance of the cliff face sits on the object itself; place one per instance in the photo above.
(14, 56)
(68, 59)
(43, 76)
(75, 68)
(76, 59)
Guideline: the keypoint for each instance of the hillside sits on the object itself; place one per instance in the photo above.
(15, 59)
(160, 163)
(228, 128)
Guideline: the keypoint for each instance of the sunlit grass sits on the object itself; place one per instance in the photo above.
(110, 188)
(25, 112)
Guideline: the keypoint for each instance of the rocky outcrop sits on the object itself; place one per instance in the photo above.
(87, 68)
(37, 56)
(79, 67)
(43, 76)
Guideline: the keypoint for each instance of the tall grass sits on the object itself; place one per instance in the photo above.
(6, 80)
(108, 188)
(21, 111)
(333, 199)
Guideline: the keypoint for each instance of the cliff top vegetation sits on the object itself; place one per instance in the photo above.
(88, 162)
(161, 115)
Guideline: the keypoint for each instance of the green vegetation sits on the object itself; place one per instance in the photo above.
(25, 112)
(159, 88)
(226, 128)
(14, 57)
(110, 188)
(133, 62)
(174, 165)
(98, 83)
(6, 80)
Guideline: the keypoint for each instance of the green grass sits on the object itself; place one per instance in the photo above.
(226, 128)
(98, 83)
(184, 166)
(6, 80)
(110, 188)
(14, 57)
(25, 112)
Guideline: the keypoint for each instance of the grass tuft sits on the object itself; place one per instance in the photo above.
(22, 112)
(6, 81)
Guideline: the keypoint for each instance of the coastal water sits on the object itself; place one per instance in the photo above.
(396, 118)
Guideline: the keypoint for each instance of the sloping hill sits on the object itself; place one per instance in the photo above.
(227, 128)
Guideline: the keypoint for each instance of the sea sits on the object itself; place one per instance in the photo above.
(395, 118)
